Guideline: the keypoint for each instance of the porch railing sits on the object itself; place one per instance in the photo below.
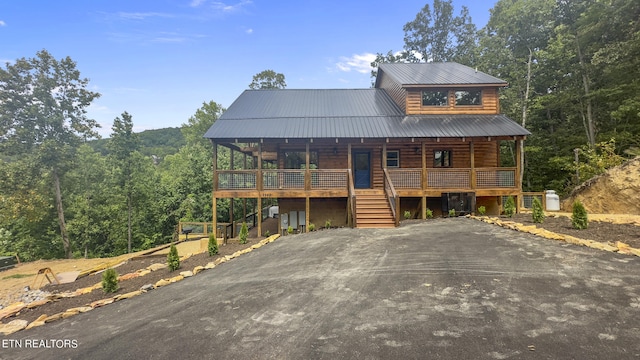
(485, 178)
(278, 179)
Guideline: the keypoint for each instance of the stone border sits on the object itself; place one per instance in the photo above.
(18, 324)
(618, 247)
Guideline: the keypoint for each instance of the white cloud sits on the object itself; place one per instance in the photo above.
(221, 6)
(143, 16)
(358, 62)
(249, 31)
(2, 23)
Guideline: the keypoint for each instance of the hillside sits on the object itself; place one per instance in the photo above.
(158, 142)
(615, 192)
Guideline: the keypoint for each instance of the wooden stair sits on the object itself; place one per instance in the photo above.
(373, 210)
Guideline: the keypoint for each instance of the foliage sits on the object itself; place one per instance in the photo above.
(452, 212)
(244, 232)
(267, 233)
(482, 210)
(429, 213)
(173, 260)
(212, 245)
(290, 230)
(200, 122)
(312, 227)
(510, 207)
(327, 224)
(110, 280)
(596, 160)
(268, 79)
(579, 218)
(537, 212)
(407, 214)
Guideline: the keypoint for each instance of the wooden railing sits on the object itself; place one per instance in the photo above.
(485, 178)
(281, 179)
(392, 196)
(352, 197)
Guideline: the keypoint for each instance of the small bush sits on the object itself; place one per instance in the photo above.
(482, 210)
(429, 213)
(290, 230)
(312, 227)
(579, 218)
(510, 207)
(536, 211)
(244, 233)
(407, 214)
(327, 224)
(267, 233)
(173, 260)
(110, 281)
(213, 245)
(452, 212)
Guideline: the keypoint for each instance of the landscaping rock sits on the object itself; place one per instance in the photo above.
(162, 282)
(13, 326)
(147, 287)
(186, 274)
(156, 267)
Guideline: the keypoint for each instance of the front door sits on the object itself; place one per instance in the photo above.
(362, 169)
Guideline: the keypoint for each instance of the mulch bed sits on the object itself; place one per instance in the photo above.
(598, 231)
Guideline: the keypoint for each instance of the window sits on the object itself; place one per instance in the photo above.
(393, 159)
(435, 98)
(469, 97)
(442, 158)
(297, 159)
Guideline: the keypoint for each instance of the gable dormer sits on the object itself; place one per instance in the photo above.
(440, 88)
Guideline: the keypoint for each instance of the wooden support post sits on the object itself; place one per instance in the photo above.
(384, 155)
(259, 210)
(423, 152)
(307, 171)
(349, 157)
(259, 187)
(307, 209)
(473, 165)
(214, 167)
(518, 173)
(424, 207)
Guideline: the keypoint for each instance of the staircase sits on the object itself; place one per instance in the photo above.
(373, 210)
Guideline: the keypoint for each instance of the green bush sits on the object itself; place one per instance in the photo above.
(244, 233)
(290, 230)
(173, 260)
(536, 211)
(327, 224)
(482, 210)
(312, 227)
(510, 207)
(579, 218)
(110, 281)
(407, 214)
(213, 245)
(429, 213)
(452, 212)
(267, 233)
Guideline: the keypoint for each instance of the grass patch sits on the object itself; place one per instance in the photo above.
(17, 276)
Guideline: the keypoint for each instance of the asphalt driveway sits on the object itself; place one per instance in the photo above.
(444, 289)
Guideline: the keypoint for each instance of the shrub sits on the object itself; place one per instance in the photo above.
(327, 224)
(244, 233)
(579, 218)
(110, 281)
(290, 230)
(173, 260)
(482, 210)
(429, 213)
(267, 233)
(510, 207)
(213, 245)
(407, 214)
(312, 227)
(536, 211)
(452, 212)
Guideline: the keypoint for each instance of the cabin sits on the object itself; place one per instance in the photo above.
(425, 139)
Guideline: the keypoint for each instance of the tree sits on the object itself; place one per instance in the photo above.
(268, 79)
(123, 144)
(436, 35)
(43, 105)
(198, 124)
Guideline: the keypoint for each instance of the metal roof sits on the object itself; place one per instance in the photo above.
(449, 73)
(343, 113)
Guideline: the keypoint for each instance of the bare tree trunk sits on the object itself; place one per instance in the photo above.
(129, 223)
(589, 126)
(63, 226)
(525, 105)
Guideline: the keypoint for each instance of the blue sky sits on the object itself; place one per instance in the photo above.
(160, 60)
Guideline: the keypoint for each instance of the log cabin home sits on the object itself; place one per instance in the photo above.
(425, 136)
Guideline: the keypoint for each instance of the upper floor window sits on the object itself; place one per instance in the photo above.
(393, 159)
(468, 97)
(435, 98)
(442, 158)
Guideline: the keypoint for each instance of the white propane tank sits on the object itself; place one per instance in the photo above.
(553, 200)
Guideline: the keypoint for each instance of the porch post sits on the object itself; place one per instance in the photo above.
(259, 188)
(473, 165)
(384, 155)
(214, 167)
(307, 207)
(307, 171)
(231, 202)
(518, 174)
(423, 153)
(349, 160)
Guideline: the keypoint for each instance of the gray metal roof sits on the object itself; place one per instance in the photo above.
(449, 73)
(343, 113)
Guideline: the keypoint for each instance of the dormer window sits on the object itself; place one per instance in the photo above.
(468, 97)
(435, 98)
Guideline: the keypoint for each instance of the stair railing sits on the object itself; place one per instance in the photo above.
(392, 196)
(352, 197)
